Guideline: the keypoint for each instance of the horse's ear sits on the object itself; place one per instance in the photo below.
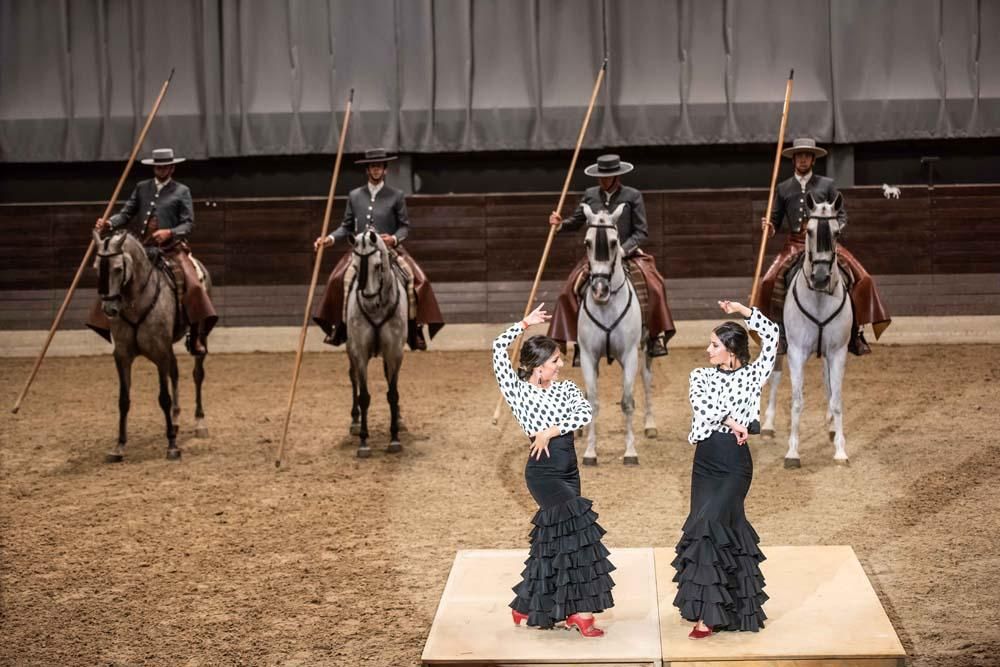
(838, 202)
(617, 213)
(589, 212)
(372, 237)
(97, 238)
(351, 240)
(810, 202)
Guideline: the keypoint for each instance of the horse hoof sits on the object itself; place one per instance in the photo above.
(793, 463)
(364, 452)
(767, 433)
(173, 454)
(651, 433)
(394, 447)
(356, 429)
(630, 460)
(590, 460)
(201, 432)
(842, 462)
(114, 457)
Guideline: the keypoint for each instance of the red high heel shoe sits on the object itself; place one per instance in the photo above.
(584, 625)
(699, 634)
(518, 616)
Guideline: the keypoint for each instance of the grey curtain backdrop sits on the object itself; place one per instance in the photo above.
(266, 77)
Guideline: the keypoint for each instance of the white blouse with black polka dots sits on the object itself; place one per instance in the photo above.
(716, 393)
(535, 408)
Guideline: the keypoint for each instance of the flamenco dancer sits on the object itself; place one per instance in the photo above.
(566, 577)
(719, 583)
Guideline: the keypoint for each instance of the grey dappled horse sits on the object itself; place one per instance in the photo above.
(609, 325)
(376, 326)
(140, 301)
(818, 319)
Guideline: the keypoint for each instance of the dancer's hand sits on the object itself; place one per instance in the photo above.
(537, 316)
(731, 307)
(541, 443)
(739, 430)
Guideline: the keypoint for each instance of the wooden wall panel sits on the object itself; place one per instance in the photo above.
(481, 251)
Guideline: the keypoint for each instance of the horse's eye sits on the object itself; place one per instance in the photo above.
(586, 242)
(614, 243)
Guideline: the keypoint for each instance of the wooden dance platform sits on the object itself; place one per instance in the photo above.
(823, 612)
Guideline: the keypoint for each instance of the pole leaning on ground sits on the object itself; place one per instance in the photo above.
(90, 248)
(553, 229)
(770, 192)
(312, 284)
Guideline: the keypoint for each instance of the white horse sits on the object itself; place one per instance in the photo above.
(890, 191)
(609, 325)
(818, 319)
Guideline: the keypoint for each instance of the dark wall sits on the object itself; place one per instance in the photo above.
(657, 168)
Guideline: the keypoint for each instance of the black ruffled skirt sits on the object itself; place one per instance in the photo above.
(567, 570)
(718, 562)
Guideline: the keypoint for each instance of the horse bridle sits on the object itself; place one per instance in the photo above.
(614, 264)
(103, 286)
(608, 276)
(843, 300)
(360, 292)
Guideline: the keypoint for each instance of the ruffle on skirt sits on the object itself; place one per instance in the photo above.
(567, 570)
(718, 576)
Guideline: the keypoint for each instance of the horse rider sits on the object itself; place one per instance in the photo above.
(376, 204)
(790, 204)
(632, 231)
(160, 212)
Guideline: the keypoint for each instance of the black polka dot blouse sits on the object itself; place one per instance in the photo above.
(717, 393)
(535, 408)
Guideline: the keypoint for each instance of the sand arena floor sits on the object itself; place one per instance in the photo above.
(220, 560)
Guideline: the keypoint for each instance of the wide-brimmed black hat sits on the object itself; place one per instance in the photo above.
(376, 155)
(163, 156)
(608, 165)
(804, 145)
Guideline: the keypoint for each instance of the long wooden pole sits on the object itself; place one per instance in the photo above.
(553, 228)
(90, 248)
(770, 192)
(312, 284)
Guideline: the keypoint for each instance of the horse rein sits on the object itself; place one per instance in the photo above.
(102, 288)
(360, 292)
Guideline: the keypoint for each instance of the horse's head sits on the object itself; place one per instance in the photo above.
(604, 253)
(115, 270)
(822, 232)
(371, 261)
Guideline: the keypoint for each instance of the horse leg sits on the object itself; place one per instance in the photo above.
(796, 364)
(837, 363)
(829, 395)
(630, 366)
(588, 365)
(163, 371)
(767, 428)
(364, 400)
(392, 378)
(123, 362)
(649, 423)
(175, 404)
(200, 429)
(355, 408)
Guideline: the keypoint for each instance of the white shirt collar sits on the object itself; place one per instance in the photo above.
(160, 184)
(373, 189)
(803, 180)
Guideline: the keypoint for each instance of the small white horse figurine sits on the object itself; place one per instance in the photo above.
(890, 191)
(610, 326)
(818, 318)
